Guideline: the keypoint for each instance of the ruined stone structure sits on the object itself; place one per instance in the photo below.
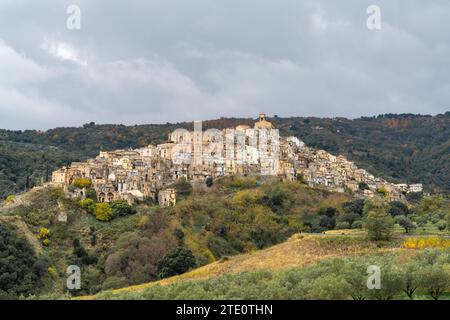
(167, 197)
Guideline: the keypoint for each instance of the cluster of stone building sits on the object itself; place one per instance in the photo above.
(320, 168)
(152, 171)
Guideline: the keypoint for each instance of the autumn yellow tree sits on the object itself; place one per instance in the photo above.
(103, 212)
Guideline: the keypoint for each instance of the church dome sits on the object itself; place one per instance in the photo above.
(263, 123)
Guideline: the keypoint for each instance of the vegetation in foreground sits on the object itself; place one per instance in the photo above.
(425, 275)
(117, 245)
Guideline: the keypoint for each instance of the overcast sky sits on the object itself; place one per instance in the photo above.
(157, 61)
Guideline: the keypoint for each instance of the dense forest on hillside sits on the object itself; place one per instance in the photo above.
(21, 271)
(406, 147)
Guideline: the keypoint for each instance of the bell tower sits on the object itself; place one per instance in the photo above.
(262, 117)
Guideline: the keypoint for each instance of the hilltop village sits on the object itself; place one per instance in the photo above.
(196, 156)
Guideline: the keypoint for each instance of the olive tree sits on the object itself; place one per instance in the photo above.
(377, 220)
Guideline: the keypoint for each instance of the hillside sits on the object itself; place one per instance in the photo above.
(298, 251)
(236, 225)
(307, 267)
(411, 148)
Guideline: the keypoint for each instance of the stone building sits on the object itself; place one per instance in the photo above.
(151, 172)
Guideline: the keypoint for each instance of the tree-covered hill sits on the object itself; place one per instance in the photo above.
(406, 147)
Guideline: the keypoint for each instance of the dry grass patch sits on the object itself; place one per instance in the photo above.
(299, 250)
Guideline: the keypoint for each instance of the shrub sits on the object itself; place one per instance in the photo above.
(220, 247)
(44, 233)
(103, 212)
(10, 198)
(88, 205)
(429, 242)
(114, 282)
(52, 272)
(93, 239)
(329, 287)
(342, 225)
(209, 182)
(235, 182)
(301, 179)
(383, 192)
(57, 193)
(177, 261)
(356, 207)
(357, 224)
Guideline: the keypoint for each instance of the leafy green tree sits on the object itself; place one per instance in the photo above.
(342, 225)
(356, 276)
(398, 208)
(377, 221)
(81, 253)
(391, 281)
(414, 197)
(183, 187)
(327, 222)
(350, 218)
(411, 278)
(91, 194)
(435, 280)
(405, 223)
(356, 206)
(178, 261)
(122, 208)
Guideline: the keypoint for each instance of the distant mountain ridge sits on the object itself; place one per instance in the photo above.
(404, 147)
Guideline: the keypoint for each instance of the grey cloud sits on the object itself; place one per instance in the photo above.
(173, 60)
